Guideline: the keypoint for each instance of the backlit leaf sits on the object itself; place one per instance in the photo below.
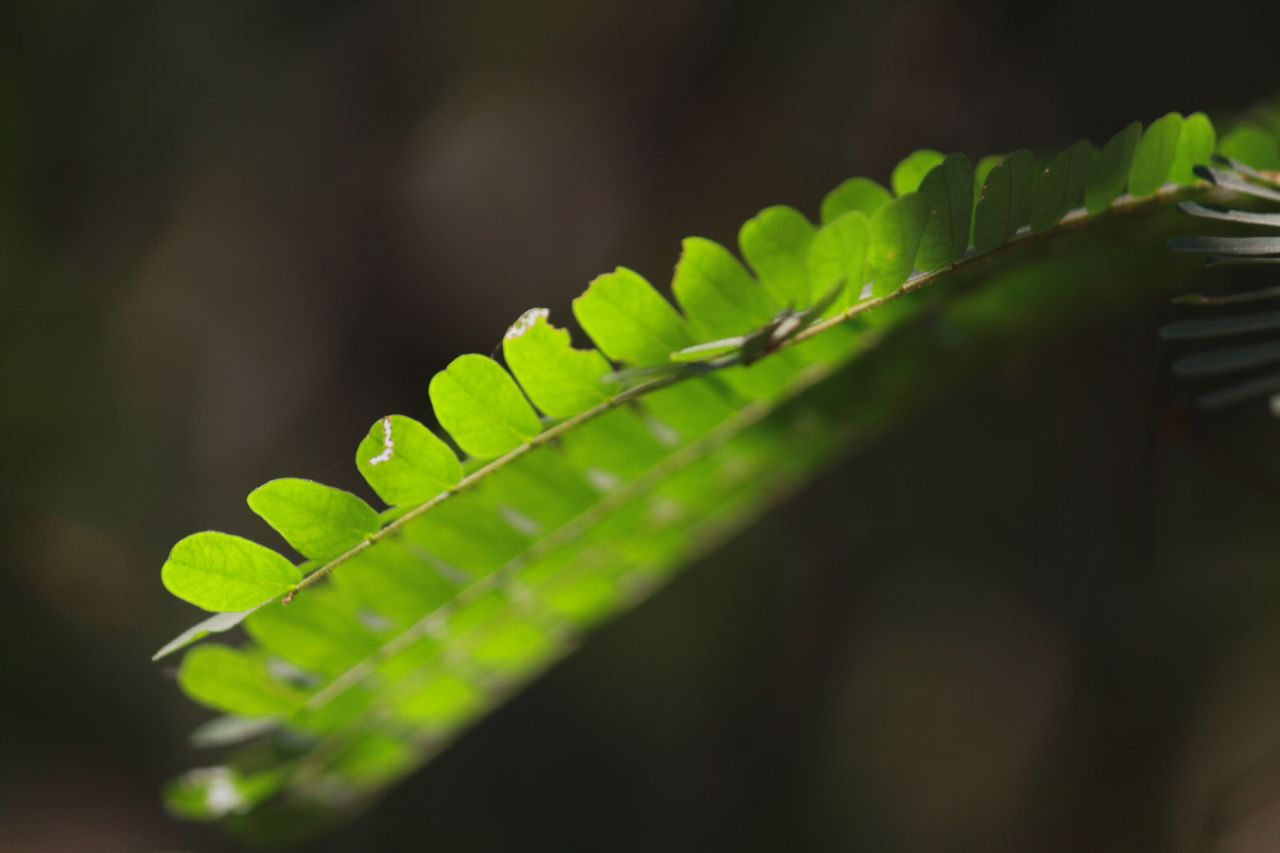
(1154, 156)
(909, 174)
(1196, 142)
(561, 380)
(1004, 205)
(1110, 173)
(775, 243)
(856, 194)
(896, 229)
(405, 462)
(480, 405)
(224, 573)
(319, 521)
(948, 193)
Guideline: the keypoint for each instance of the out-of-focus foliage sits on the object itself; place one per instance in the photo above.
(1247, 366)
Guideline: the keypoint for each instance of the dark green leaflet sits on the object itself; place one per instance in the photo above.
(948, 194)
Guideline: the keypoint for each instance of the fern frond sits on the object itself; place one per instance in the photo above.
(1254, 178)
(591, 475)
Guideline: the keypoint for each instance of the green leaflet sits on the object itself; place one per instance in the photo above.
(629, 320)
(896, 229)
(235, 681)
(840, 252)
(861, 194)
(948, 193)
(318, 521)
(1196, 142)
(909, 174)
(224, 573)
(561, 381)
(405, 462)
(982, 170)
(1004, 205)
(775, 243)
(716, 292)
(1110, 172)
(1060, 185)
(479, 404)
(1153, 158)
(721, 299)
(1251, 146)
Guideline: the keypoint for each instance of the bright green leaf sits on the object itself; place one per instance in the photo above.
(319, 521)
(1110, 172)
(861, 194)
(481, 406)
(235, 682)
(1251, 146)
(1154, 156)
(1195, 148)
(717, 293)
(721, 299)
(561, 380)
(405, 462)
(629, 320)
(909, 174)
(775, 243)
(840, 254)
(896, 229)
(224, 573)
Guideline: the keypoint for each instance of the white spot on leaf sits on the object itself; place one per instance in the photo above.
(526, 321)
(221, 796)
(388, 445)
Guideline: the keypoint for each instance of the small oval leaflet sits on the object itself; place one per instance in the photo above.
(1110, 172)
(224, 573)
(776, 244)
(405, 462)
(948, 194)
(480, 405)
(1153, 158)
(860, 194)
(909, 174)
(629, 320)
(319, 521)
(895, 236)
(561, 380)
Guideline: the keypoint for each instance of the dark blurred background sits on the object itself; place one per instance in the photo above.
(1043, 617)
